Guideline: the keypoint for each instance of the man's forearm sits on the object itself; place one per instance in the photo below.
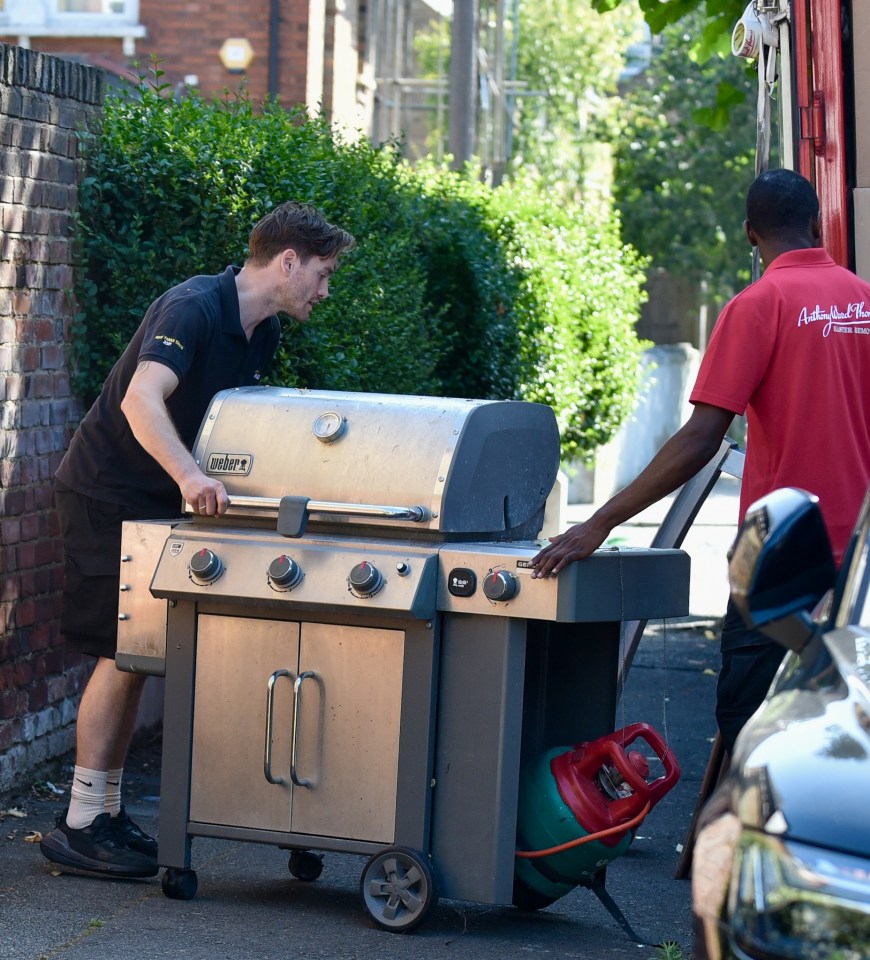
(154, 430)
(678, 461)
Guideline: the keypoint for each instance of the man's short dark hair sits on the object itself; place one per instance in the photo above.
(296, 225)
(781, 203)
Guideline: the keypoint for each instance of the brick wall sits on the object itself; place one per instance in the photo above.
(43, 100)
(187, 37)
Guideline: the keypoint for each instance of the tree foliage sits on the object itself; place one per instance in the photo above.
(570, 60)
(714, 34)
(684, 159)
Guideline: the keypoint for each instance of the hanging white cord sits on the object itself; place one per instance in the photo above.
(764, 39)
(766, 77)
(762, 138)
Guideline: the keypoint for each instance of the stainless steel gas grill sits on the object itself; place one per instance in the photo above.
(356, 656)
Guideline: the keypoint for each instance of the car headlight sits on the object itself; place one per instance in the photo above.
(792, 900)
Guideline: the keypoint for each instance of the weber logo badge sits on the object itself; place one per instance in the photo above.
(237, 464)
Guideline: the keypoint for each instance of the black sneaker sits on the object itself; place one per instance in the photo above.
(133, 836)
(96, 848)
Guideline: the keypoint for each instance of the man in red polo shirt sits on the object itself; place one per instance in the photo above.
(792, 351)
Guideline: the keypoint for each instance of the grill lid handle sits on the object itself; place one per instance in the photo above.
(295, 526)
(292, 516)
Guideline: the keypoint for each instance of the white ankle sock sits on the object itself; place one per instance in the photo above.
(113, 792)
(87, 797)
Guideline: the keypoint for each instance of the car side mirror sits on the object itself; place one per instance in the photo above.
(781, 565)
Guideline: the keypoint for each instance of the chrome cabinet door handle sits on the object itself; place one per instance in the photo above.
(270, 706)
(297, 687)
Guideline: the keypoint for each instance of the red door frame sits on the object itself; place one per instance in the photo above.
(818, 57)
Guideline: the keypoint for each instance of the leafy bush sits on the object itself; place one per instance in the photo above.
(453, 289)
(174, 188)
(583, 290)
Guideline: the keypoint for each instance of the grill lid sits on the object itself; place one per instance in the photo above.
(433, 463)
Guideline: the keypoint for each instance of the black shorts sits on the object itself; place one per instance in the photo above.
(91, 531)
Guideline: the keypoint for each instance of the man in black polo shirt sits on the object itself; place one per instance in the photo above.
(130, 458)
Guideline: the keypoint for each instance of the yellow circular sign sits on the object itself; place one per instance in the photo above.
(236, 53)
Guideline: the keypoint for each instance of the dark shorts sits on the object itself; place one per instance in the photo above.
(91, 531)
(749, 664)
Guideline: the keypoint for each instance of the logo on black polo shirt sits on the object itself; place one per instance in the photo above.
(238, 464)
(169, 341)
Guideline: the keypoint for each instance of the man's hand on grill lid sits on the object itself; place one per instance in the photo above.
(206, 496)
(576, 543)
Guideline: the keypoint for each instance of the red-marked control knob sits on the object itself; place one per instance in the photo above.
(284, 572)
(365, 579)
(205, 566)
(500, 585)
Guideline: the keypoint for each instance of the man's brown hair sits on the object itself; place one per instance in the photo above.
(300, 226)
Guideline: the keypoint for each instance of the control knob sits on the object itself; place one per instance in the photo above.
(284, 572)
(205, 566)
(365, 579)
(500, 585)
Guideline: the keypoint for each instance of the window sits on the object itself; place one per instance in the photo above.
(72, 18)
(91, 6)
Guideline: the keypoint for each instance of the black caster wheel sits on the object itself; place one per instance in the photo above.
(305, 865)
(179, 884)
(525, 898)
(398, 889)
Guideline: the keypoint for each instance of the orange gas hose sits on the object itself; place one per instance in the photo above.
(620, 828)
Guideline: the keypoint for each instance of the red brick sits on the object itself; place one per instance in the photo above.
(45, 549)
(23, 673)
(53, 661)
(26, 556)
(8, 703)
(53, 357)
(30, 527)
(42, 499)
(25, 613)
(27, 583)
(38, 695)
(43, 580)
(11, 502)
(10, 530)
(21, 301)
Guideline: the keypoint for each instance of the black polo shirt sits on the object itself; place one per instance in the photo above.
(195, 329)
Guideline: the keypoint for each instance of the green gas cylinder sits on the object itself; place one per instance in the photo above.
(577, 792)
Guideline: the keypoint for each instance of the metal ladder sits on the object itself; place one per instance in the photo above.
(673, 529)
(671, 533)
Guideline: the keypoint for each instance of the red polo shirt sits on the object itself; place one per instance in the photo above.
(792, 351)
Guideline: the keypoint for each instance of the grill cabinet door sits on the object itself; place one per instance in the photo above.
(235, 658)
(349, 715)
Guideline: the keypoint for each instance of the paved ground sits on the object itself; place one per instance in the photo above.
(248, 905)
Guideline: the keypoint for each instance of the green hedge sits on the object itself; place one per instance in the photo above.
(453, 289)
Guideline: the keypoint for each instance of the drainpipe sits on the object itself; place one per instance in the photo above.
(274, 46)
